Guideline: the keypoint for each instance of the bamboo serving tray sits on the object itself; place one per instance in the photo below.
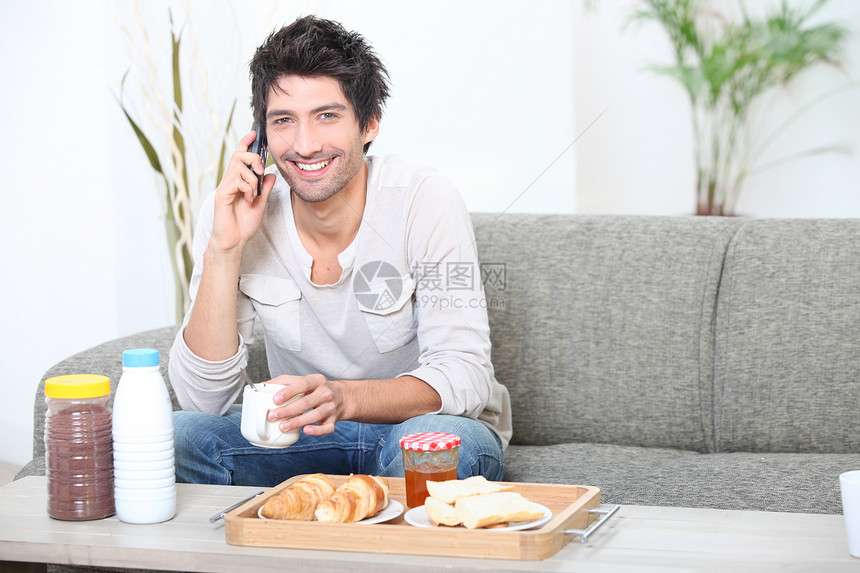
(570, 505)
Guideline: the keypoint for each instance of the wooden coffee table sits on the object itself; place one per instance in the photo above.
(636, 539)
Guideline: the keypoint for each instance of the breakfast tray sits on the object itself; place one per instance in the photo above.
(572, 507)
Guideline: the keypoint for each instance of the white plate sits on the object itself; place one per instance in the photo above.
(394, 509)
(417, 516)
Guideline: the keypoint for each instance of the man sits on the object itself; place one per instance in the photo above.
(344, 259)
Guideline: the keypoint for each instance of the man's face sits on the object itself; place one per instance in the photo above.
(314, 137)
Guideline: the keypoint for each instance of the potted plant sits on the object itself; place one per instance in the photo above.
(172, 137)
(726, 65)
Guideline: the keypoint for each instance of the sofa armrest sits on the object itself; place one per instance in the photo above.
(106, 359)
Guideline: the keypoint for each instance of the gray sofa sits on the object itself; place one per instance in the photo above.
(680, 361)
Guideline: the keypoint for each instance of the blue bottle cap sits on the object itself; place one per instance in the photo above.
(140, 357)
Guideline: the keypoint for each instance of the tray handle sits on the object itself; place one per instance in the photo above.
(585, 533)
(221, 514)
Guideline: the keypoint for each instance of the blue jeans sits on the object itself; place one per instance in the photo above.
(211, 449)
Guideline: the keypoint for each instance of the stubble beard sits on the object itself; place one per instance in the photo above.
(349, 165)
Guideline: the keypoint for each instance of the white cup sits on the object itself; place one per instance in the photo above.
(849, 483)
(256, 426)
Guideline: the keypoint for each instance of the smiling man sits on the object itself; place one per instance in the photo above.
(337, 258)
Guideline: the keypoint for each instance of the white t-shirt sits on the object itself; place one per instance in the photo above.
(409, 300)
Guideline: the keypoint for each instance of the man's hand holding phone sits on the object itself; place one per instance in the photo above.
(241, 196)
(259, 147)
(211, 331)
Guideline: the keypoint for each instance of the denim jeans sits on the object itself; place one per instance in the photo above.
(211, 449)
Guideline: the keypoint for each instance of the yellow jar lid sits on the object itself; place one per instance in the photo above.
(77, 386)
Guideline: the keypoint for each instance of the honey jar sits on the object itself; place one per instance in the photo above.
(428, 456)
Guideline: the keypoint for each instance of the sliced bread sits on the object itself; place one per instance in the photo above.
(488, 509)
(440, 513)
(452, 490)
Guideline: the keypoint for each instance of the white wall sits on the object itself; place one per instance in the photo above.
(494, 93)
(56, 225)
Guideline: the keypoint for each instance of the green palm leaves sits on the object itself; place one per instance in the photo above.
(168, 141)
(725, 65)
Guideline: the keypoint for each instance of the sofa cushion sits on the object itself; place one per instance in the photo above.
(680, 478)
(787, 365)
(602, 326)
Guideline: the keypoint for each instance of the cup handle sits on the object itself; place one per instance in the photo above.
(262, 426)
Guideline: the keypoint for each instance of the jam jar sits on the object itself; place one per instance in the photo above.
(428, 456)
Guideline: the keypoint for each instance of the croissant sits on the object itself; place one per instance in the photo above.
(359, 497)
(299, 500)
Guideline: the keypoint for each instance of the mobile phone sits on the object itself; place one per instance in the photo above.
(260, 147)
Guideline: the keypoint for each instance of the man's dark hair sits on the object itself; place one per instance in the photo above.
(315, 47)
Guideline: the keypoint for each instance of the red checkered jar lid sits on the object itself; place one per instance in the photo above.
(429, 442)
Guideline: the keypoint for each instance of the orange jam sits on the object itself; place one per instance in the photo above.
(428, 456)
(417, 478)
